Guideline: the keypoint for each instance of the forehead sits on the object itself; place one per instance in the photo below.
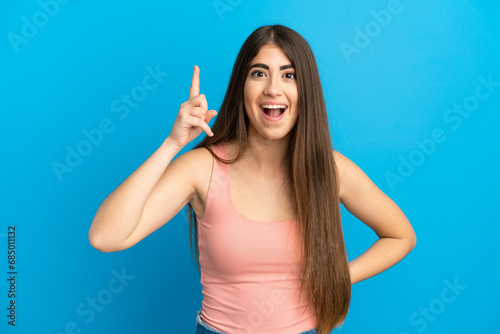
(270, 54)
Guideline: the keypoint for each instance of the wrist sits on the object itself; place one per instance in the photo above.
(170, 146)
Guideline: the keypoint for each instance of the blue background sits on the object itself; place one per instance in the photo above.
(396, 89)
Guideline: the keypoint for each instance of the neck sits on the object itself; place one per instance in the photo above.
(266, 154)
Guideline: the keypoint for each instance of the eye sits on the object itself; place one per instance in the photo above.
(290, 75)
(257, 74)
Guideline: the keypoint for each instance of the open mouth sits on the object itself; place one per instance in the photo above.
(273, 111)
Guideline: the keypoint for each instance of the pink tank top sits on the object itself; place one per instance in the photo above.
(249, 272)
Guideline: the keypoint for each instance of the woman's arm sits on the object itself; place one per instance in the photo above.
(133, 210)
(160, 187)
(361, 197)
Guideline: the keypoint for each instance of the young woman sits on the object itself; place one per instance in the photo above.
(264, 192)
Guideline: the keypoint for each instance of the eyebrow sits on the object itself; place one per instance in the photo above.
(264, 66)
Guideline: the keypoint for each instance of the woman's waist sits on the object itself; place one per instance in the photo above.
(257, 309)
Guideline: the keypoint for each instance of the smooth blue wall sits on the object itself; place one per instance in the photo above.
(413, 96)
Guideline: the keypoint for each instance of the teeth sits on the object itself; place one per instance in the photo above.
(273, 106)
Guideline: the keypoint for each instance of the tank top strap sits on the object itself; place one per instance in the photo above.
(218, 195)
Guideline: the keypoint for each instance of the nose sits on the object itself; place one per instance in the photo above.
(273, 87)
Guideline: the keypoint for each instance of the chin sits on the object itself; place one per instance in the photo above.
(276, 136)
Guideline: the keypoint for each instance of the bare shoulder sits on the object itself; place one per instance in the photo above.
(196, 163)
(196, 167)
(348, 174)
(194, 157)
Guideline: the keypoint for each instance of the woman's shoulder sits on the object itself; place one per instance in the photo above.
(199, 159)
(196, 166)
(352, 179)
(194, 161)
(226, 150)
(340, 159)
(346, 170)
(199, 163)
(195, 154)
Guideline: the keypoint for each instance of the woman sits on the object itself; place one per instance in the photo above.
(265, 187)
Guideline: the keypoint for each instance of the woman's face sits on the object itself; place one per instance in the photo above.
(271, 95)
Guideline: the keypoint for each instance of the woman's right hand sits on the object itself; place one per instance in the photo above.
(193, 115)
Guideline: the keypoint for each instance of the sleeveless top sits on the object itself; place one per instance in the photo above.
(250, 275)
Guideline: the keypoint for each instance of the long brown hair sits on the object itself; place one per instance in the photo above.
(312, 173)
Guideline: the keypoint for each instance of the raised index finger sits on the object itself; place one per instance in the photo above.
(195, 83)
